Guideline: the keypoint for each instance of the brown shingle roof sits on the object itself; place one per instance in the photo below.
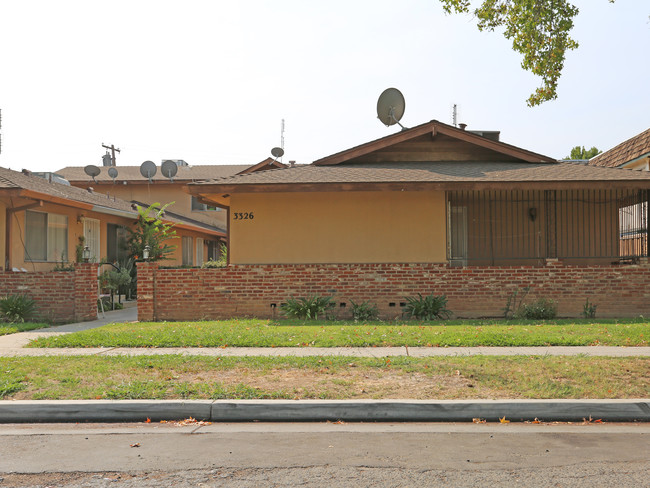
(132, 173)
(429, 172)
(14, 180)
(625, 152)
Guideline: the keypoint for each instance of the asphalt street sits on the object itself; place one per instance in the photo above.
(325, 454)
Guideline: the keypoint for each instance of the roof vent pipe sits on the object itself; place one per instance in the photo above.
(462, 126)
(292, 163)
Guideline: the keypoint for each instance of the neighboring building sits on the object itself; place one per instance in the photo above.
(631, 154)
(41, 221)
(130, 185)
(429, 194)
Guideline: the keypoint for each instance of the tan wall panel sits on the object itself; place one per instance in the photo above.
(338, 227)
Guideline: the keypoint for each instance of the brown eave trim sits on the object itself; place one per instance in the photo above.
(421, 186)
(58, 200)
(497, 146)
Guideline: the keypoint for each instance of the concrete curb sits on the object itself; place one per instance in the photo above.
(321, 410)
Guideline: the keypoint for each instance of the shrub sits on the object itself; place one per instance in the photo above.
(17, 308)
(307, 308)
(364, 311)
(431, 307)
(589, 310)
(540, 309)
(513, 306)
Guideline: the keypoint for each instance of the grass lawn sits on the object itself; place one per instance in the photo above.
(6, 329)
(188, 377)
(268, 333)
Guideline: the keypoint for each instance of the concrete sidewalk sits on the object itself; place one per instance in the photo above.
(372, 352)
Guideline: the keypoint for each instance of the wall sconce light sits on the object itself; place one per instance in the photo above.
(145, 253)
(80, 218)
(532, 213)
(86, 254)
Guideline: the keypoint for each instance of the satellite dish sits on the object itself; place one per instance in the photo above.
(277, 152)
(92, 171)
(148, 169)
(390, 107)
(112, 172)
(169, 169)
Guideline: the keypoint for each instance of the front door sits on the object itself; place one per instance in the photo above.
(91, 235)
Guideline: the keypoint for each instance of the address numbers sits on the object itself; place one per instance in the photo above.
(243, 216)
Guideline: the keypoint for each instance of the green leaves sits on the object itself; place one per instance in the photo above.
(539, 30)
(151, 231)
(430, 307)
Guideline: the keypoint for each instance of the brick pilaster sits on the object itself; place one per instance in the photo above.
(85, 291)
(146, 290)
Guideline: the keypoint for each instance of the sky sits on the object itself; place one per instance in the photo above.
(211, 81)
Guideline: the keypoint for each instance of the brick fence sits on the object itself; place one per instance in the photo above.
(60, 296)
(259, 290)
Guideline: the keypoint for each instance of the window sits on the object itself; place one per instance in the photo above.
(198, 206)
(46, 237)
(188, 256)
(213, 250)
(116, 247)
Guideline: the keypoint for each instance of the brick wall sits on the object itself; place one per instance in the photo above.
(250, 290)
(60, 296)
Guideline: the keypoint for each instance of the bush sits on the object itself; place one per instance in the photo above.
(364, 311)
(17, 308)
(430, 307)
(541, 309)
(307, 308)
(589, 310)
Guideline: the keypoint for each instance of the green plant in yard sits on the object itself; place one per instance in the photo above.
(151, 231)
(307, 308)
(512, 304)
(430, 307)
(540, 309)
(79, 249)
(17, 308)
(364, 311)
(589, 310)
(221, 261)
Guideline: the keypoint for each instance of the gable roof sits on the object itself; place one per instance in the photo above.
(268, 163)
(433, 129)
(446, 175)
(26, 185)
(634, 148)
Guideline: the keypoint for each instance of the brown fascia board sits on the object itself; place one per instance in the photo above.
(434, 127)
(207, 189)
(58, 200)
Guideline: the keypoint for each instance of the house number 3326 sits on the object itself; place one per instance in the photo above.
(243, 216)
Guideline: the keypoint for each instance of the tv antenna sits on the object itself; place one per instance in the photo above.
(454, 115)
(112, 172)
(92, 171)
(148, 170)
(169, 169)
(113, 149)
(390, 107)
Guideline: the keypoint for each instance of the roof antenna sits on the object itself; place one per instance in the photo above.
(454, 114)
(390, 107)
(169, 169)
(112, 172)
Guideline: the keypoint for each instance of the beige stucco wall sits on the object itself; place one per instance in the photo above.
(75, 229)
(338, 227)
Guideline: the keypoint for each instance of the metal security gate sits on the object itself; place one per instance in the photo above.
(528, 226)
